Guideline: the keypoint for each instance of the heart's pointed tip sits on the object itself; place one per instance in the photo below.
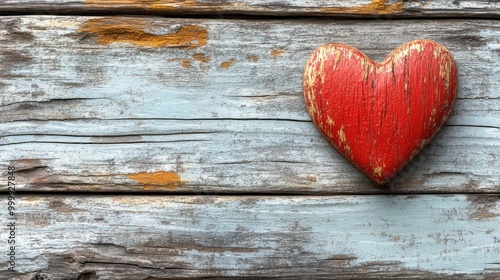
(381, 182)
(380, 175)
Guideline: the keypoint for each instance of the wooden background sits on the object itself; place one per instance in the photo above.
(169, 139)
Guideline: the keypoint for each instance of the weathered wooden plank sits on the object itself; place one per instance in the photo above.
(216, 105)
(342, 8)
(341, 237)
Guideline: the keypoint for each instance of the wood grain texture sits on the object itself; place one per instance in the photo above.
(336, 8)
(341, 237)
(92, 104)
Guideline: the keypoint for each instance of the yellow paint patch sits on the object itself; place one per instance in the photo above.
(157, 180)
(376, 7)
(201, 57)
(341, 134)
(368, 68)
(377, 171)
(330, 122)
(336, 59)
(58, 23)
(186, 63)
(31, 199)
(277, 53)
(132, 31)
(347, 149)
(227, 64)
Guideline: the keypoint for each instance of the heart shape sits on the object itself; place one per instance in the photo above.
(380, 115)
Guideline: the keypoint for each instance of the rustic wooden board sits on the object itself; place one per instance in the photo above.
(341, 8)
(340, 237)
(193, 105)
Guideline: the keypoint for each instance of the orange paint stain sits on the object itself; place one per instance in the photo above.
(31, 199)
(132, 31)
(186, 63)
(376, 7)
(157, 180)
(277, 53)
(227, 64)
(201, 57)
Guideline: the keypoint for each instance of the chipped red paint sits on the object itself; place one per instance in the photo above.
(379, 115)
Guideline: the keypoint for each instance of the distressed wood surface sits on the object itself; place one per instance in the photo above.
(210, 106)
(341, 237)
(205, 106)
(339, 8)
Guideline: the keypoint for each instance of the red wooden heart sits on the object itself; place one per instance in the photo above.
(380, 115)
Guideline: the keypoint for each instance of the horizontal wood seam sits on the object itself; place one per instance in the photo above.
(237, 16)
(246, 194)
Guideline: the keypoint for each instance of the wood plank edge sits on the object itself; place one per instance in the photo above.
(125, 10)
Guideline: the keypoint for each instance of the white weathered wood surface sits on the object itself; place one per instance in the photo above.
(341, 237)
(341, 8)
(210, 106)
(216, 105)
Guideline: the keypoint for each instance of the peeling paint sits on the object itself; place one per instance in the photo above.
(329, 121)
(59, 23)
(277, 53)
(341, 134)
(133, 31)
(227, 64)
(157, 180)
